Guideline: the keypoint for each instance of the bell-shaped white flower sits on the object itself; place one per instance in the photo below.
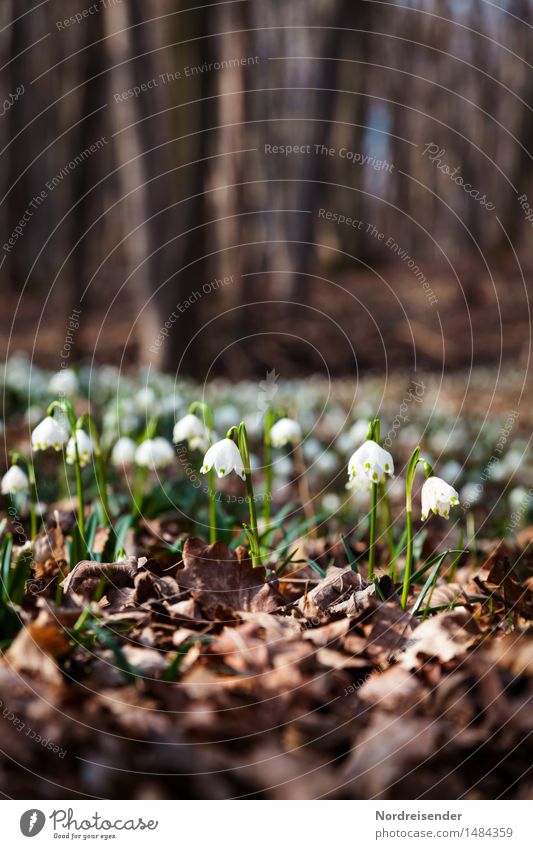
(48, 434)
(85, 448)
(438, 497)
(225, 457)
(285, 431)
(15, 480)
(64, 382)
(191, 429)
(154, 453)
(123, 453)
(371, 461)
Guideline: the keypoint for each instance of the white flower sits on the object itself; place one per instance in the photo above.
(285, 431)
(437, 497)
(65, 382)
(154, 453)
(371, 461)
(225, 457)
(123, 451)
(48, 434)
(85, 448)
(192, 430)
(15, 480)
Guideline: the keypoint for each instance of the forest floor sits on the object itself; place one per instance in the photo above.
(180, 670)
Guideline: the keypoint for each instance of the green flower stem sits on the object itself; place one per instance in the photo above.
(81, 502)
(208, 422)
(212, 506)
(389, 529)
(252, 532)
(67, 409)
(101, 476)
(373, 433)
(269, 421)
(33, 499)
(409, 480)
(141, 474)
(304, 491)
(408, 558)
(372, 532)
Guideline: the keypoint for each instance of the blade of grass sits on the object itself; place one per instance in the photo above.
(129, 672)
(429, 563)
(352, 562)
(429, 583)
(6, 551)
(455, 561)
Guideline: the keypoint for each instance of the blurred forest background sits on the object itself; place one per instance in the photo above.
(137, 169)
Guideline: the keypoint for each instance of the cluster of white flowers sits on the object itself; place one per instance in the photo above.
(372, 464)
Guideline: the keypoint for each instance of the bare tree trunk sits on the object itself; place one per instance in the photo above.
(125, 117)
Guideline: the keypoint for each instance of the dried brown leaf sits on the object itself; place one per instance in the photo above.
(223, 581)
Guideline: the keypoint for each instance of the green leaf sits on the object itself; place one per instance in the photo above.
(429, 583)
(286, 561)
(5, 556)
(91, 526)
(171, 672)
(429, 563)
(316, 568)
(20, 575)
(117, 537)
(349, 554)
(129, 672)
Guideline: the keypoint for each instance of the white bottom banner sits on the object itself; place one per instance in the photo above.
(235, 824)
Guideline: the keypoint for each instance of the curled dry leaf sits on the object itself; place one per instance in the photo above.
(149, 586)
(501, 573)
(223, 581)
(330, 591)
(85, 576)
(36, 646)
(443, 637)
